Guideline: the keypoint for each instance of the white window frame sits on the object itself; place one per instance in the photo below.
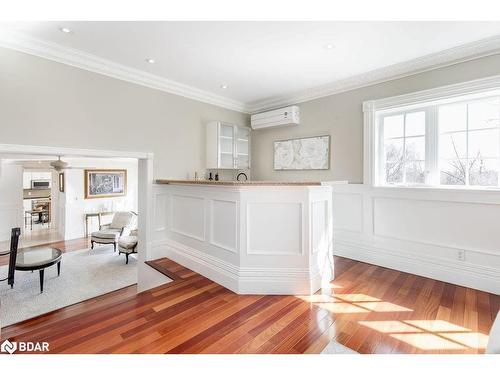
(424, 100)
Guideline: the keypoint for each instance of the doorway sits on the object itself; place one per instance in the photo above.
(145, 277)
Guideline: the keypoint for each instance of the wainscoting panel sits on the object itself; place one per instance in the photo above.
(160, 207)
(442, 234)
(348, 212)
(224, 224)
(188, 216)
(452, 224)
(285, 219)
(320, 233)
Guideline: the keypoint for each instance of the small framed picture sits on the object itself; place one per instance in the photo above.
(105, 183)
(61, 182)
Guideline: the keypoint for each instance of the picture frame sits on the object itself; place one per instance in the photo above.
(105, 183)
(61, 182)
(306, 153)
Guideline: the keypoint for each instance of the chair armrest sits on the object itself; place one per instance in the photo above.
(104, 226)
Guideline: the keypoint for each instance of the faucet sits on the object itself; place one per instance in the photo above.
(240, 174)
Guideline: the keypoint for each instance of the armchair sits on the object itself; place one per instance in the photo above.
(128, 244)
(110, 233)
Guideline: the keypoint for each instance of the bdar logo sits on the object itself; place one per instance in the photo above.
(8, 347)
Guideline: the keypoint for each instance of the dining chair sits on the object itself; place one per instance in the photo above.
(14, 242)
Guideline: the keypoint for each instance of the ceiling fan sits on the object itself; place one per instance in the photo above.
(60, 165)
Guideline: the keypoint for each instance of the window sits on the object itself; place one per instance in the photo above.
(443, 142)
(469, 143)
(404, 148)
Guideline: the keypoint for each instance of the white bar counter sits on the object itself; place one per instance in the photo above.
(252, 237)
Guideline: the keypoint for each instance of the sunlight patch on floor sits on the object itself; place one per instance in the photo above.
(342, 308)
(427, 341)
(389, 326)
(470, 339)
(430, 334)
(382, 306)
(352, 303)
(356, 297)
(436, 326)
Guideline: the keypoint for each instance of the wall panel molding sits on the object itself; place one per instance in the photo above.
(444, 235)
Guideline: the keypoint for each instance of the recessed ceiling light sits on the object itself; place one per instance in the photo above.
(150, 61)
(223, 86)
(65, 30)
(328, 46)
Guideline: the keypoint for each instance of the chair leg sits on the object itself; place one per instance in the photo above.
(42, 271)
(126, 254)
(91, 245)
(114, 247)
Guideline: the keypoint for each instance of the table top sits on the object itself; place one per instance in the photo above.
(39, 257)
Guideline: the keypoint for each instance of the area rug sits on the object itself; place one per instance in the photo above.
(84, 274)
(334, 347)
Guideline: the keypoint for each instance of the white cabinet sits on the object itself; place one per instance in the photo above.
(228, 146)
(29, 175)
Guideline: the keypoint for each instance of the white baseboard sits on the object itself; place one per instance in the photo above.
(455, 272)
(277, 281)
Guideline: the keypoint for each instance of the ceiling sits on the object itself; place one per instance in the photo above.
(265, 64)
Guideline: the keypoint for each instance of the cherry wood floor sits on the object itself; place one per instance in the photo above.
(368, 308)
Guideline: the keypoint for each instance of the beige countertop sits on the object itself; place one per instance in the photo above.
(238, 183)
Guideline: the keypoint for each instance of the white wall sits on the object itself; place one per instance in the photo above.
(11, 199)
(341, 116)
(443, 234)
(45, 103)
(73, 205)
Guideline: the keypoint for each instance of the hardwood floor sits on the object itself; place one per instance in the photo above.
(369, 309)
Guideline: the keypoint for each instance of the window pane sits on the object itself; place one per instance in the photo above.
(415, 172)
(393, 150)
(415, 124)
(415, 148)
(453, 171)
(484, 114)
(453, 145)
(452, 117)
(393, 126)
(394, 161)
(484, 144)
(483, 172)
(394, 172)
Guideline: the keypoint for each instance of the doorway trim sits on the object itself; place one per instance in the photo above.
(147, 277)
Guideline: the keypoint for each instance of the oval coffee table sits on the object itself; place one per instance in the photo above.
(38, 259)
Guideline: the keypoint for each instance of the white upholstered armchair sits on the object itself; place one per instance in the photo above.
(110, 233)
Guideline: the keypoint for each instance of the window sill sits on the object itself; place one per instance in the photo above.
(462, 189)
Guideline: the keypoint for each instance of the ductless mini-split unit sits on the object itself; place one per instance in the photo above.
(277, 117)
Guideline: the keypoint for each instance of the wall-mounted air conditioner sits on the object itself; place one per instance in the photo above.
(277, 117)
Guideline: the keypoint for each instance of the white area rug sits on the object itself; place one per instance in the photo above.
(335, 348)
(84, 274)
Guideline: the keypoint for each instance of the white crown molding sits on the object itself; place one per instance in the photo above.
(65, 55)
(470, 51)
(83, 60)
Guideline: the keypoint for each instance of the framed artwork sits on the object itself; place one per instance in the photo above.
(61, 182)
(105, 183)
(311, 153)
